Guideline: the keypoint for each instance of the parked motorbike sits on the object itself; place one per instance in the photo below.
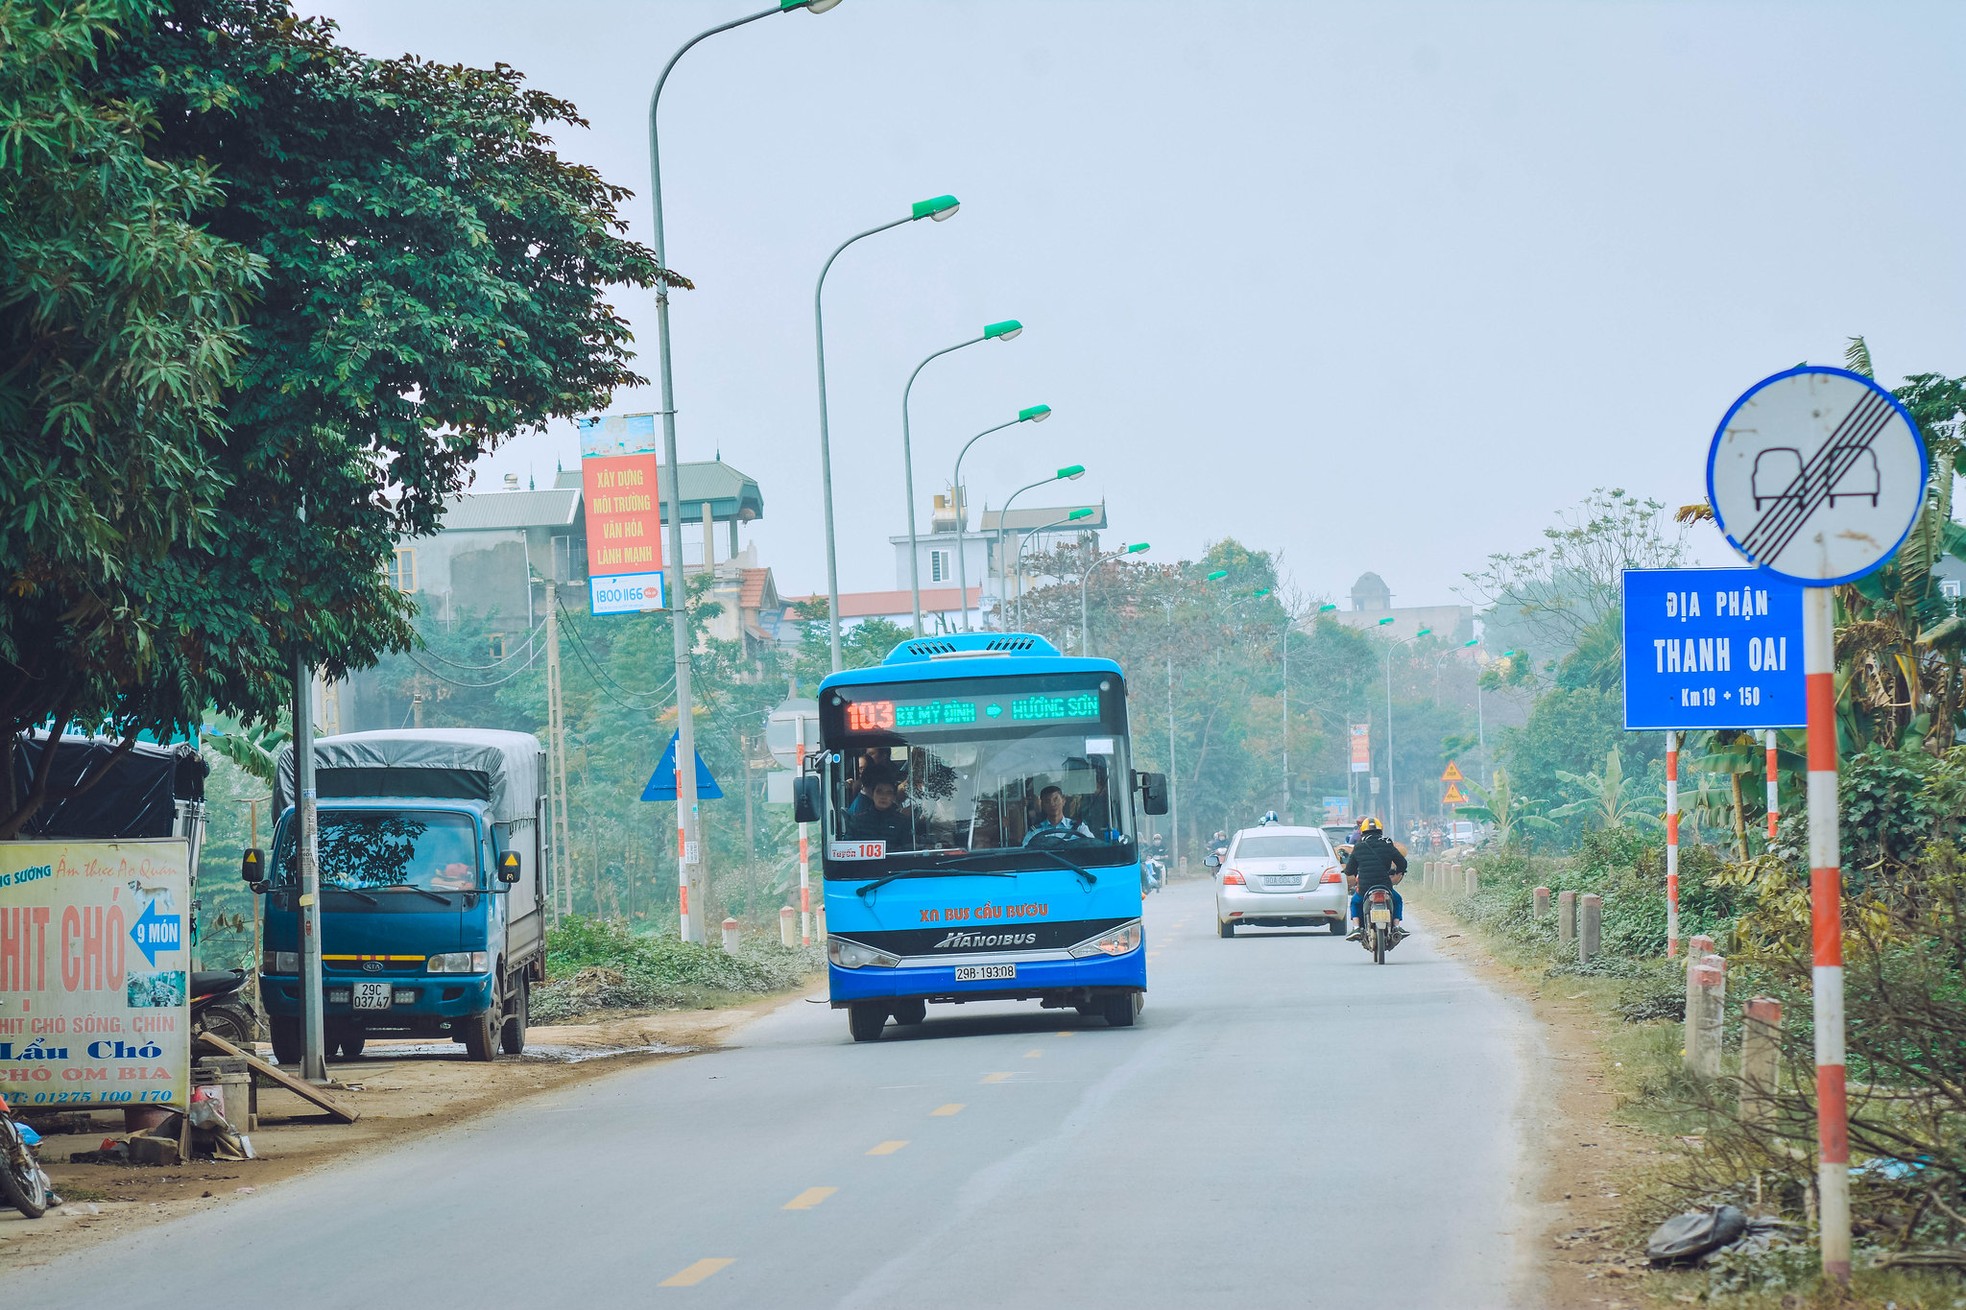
(22, 1183)
(219, 1006)
(1376, 929)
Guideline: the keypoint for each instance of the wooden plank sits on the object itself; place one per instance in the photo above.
(272, 1072)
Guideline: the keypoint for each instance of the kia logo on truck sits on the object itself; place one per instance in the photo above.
(961, 941)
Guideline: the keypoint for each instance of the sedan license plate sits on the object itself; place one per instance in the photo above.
(1280, 880)
(985, 972)
(372, 995)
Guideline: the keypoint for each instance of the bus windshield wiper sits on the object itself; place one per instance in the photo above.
(1087, 875)
(866, 889)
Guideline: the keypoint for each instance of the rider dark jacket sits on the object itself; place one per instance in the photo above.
(1374, 861)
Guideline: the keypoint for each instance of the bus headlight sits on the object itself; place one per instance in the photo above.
(852, 955)
(1126, 937)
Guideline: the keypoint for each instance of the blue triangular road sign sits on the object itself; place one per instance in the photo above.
(662, 783)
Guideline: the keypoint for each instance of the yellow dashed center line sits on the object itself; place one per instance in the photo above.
(696, 1273)
(1066, 1032)
(1034, 1055)
(996, 1077)
(810, 1197)
(887, 1148)
(945, 1111)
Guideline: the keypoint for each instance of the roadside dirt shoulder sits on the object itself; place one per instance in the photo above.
(1584, 1157)
(401, 1089)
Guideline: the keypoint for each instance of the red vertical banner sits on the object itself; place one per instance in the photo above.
(624, 522)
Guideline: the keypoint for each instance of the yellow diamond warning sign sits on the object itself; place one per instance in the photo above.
(1454, 796)
(1453, 773)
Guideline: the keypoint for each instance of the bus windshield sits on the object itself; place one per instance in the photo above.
(977, 766)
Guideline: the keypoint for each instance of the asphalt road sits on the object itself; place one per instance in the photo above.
(1288, 1125)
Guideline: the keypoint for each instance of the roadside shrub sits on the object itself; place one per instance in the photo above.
(593, 965)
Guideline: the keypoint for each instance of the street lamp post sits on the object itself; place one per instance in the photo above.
(1085, 647)
(1004, 331)
(1070, 473)
(1069, 516)
(1393, 646)
(936, 208)
(1032, 414)
(673, 590)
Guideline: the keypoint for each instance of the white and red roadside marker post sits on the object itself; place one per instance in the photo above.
(1826, 930)
(1672, 844)
(805, 854)
(1774, 798)
(1818, 474)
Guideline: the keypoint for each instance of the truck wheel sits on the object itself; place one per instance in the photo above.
(865, 1021)
(286, 1040)
(512, 1036)
(910, 1012)
(1120, 1011)
(480, 1036)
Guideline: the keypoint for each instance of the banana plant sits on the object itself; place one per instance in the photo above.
(254, 749)
(1502, 809)
(1609, 798)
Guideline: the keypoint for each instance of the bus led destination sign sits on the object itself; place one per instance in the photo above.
(1712, 648)
(1032, 710)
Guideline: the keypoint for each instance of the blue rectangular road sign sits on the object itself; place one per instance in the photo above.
(1712, 648)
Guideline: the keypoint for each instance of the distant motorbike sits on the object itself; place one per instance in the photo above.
(1153, 876)
(1376, 925)
(219, 1007)
(22, 1183)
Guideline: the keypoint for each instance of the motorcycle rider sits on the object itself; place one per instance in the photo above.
(1375, 862)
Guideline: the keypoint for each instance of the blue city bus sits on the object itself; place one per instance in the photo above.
(977, 800)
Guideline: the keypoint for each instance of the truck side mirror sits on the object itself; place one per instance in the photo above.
(805, 799)
(508, 867)
(252, 868)
(1153, 792)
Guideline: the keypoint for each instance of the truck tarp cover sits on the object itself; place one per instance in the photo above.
(506, 770)
(137, 798)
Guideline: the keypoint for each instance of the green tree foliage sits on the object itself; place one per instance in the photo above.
(433, 282)
(1606, 798)
(119, 327)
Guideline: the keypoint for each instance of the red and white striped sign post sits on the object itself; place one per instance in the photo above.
(1818, 474)
(1672, 844)
(1774, 800)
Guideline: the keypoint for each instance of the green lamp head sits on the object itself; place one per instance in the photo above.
(1003, 331)
(1259, 593)
(1472, 641)
(1070, 473)
(1035, 414)
(1326, 608)
(1217, 576)
(810, 6)
(1383, 622)
(1510, 654)
(1424, 632)
(935, 207)
(1137, 547)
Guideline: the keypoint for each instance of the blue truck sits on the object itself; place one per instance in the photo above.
(977, 798)
(432, 848)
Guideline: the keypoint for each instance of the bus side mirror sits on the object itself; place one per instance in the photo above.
(1153, 792)
(252, 868)
(508, 867)
(805, 799)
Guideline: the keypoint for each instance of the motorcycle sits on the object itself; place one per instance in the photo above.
(219, 1008)
(1153, 876)
(1376, 926)
(22, 1183)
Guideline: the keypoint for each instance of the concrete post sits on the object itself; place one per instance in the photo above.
(1590, 926)
(730, 936)
(788, 927)
(1474, 882)
(819, 922)
(1542, 905)
(1761, 1058)
(1707, 977)
(1566, 918)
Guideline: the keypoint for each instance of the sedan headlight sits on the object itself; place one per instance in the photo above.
(1126, 937)
(852, 955)
(280, 962)
(460, 962)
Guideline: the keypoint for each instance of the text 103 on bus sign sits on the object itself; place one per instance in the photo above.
(1712, 648)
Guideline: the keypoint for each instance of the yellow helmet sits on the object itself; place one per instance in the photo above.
(1370, 825)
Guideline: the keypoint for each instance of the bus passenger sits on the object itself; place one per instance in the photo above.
(885, 818)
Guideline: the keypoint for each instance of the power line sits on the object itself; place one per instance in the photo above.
(531, 638)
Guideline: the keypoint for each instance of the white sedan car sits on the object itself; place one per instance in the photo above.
(1280, 877)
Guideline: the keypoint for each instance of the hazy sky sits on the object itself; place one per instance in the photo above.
(1380, 286)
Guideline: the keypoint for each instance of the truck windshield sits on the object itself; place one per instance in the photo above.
(977, 766)
(388, 851)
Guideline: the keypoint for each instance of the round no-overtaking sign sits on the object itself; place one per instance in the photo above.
(1816, 474)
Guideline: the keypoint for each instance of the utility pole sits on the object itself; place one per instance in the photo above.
(313, 1049)
(1173, 791)
(1289, 814)
(560, 841)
